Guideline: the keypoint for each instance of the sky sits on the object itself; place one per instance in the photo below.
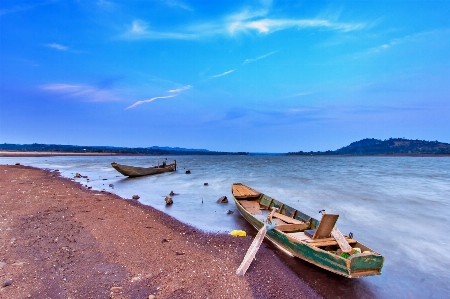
(255, 76)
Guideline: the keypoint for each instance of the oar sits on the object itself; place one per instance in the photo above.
(251, 252)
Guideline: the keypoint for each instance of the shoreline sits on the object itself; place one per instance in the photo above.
(59, 240)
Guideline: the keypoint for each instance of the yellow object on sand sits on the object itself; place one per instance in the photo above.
(238, 233)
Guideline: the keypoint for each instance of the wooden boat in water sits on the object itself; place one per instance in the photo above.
(132, 171)
(305, 237)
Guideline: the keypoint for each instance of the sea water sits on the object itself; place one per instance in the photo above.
(398, 206)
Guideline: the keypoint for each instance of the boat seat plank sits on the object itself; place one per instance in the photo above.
(244, 191)
(287, 219)
(329, 243)
(251, 206)
(292, 227)
(299, 236)
(328, 239)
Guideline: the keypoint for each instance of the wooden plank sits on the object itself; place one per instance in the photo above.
(292, 227)
(244, 191)
(349, 240)
(343, 244)
(328, 243)
(287, 219)
(325, 226)
(299, 236)
(251, 252)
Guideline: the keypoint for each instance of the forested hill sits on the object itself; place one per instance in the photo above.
(391, 146)
(155, 150)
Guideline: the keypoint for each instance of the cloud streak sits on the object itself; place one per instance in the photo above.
(223, 74)
(418, 37)
(57, 46)
(258, 58)
(85, 92)
(148, 101)
(174, 91)
(181, 89)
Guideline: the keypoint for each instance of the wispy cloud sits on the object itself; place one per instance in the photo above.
(299, 94)
(105, 4)
(181, 89)
(418, 37)
(250, 60)
(149, 100)
(85, 92)
(177, 4)
(58, 46)
(245, 21)
(223, 74)
(24, 7)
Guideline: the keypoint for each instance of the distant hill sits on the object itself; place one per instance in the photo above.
(391, 146)
(155, 150)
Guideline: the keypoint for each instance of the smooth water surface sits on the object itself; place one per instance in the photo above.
(398, 206)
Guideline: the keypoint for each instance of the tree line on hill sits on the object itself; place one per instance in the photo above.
(37, 147)
(391, 146)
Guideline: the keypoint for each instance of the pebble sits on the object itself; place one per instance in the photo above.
(2, 264)
(19, 264)
(6, 283)
(116, 289)
(151, 297)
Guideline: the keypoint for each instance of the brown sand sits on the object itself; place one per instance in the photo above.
(60, 240)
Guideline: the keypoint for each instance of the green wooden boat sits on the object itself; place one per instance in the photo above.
(305, 237)
(133, 171)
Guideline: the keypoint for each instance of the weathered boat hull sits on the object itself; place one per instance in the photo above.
(132, 171)
(357, 265)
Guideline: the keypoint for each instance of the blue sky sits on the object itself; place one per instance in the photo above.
(259, 76)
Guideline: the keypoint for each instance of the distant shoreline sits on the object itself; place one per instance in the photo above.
(56, 154)
(374, 155)
(52, 154)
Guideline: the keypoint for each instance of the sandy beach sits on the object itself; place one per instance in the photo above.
(61, 240)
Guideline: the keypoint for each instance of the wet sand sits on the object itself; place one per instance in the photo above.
(60, 240)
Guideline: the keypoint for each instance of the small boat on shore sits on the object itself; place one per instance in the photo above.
(305, 237)
(133, 171)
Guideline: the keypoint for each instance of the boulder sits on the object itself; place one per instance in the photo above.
(223, 199)
(135, 197)
(168, 200)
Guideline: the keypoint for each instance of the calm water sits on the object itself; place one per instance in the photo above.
(399, 206)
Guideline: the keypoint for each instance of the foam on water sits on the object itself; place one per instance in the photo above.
(399, 206)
